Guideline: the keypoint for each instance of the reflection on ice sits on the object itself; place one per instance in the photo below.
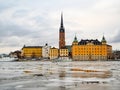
(60, 75)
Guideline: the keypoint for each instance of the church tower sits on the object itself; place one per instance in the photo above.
(103, 40)
(75, 42)
(61, 34)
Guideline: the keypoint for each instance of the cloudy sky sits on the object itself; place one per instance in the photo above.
(36, 22)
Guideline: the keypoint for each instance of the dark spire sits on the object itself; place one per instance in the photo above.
(24, 46)
(75, 42)
(61, 20)
(61, 34)
(103, 40)
(75, 39)
(61, 25)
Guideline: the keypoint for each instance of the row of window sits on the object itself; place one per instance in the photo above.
(33, 53)
(64, 53)
(53, 54)
(89, 49)
(88, 54)
(32, 50)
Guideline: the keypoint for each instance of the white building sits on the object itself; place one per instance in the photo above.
(45, 51)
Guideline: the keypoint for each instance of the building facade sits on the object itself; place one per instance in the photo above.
(45, 51)
(32, 51)
(91, 49)
(53, 53)
(116, 55)
(63, 53)
(61, 34)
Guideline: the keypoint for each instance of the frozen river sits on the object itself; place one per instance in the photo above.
(79, 75)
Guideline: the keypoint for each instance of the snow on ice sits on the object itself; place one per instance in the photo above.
(78, 75)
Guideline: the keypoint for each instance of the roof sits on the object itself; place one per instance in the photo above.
(68, 47)
(32, 47)
(109, 45)
(85, 42)
(53, 48)
(103, 39)
(75, 39)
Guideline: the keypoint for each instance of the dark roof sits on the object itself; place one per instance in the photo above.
(32, 47)
(84, 42)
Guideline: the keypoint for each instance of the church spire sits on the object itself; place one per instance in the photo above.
(61, 25)
(61, 34)
(61, 20)
(75, 42)
(103, 40)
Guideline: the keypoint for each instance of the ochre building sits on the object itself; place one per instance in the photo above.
(63, 52)
(32, 51)
(53, 53)
(91, 49)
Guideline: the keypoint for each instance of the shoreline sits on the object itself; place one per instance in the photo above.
(52, 60)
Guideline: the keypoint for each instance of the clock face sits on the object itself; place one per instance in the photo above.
(62, 30)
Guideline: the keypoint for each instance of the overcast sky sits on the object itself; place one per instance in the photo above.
(36, 22)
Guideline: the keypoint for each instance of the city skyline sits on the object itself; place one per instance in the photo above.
(27, 22)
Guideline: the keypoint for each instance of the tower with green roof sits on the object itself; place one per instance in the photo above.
(103, 41)
(75, 41)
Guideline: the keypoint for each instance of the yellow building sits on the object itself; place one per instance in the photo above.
(53, 53)
(91, 49)
(32, 51)
(63, 52)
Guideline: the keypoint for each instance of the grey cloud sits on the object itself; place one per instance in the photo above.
(13, 35)
(6, 4)
(20, 13)
(41, 21)
(21, 34)
(8, 30)
(2, 7)
(116, 38)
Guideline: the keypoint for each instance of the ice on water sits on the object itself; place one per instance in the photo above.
(33, 75)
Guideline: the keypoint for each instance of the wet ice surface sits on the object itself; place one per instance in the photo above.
(36, 75)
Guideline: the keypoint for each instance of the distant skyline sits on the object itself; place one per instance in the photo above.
(36, 22)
